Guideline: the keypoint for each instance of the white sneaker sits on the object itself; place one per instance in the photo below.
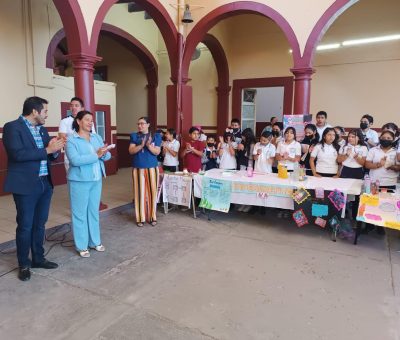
(241, 207)
(246, 208)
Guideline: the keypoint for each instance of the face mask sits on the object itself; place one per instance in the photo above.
(363, 125)
(276, 133)
(210, 145)
(385, 143)
(307, 139)
(235, 130)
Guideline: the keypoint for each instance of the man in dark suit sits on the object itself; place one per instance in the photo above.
(29, 151)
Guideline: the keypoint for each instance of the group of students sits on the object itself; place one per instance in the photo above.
(325, 151)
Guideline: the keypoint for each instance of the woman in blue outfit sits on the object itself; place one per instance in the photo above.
(86, 153)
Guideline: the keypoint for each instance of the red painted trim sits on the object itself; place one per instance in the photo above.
(113, 127)
(223, 89)
(229, 10)
(240, 84)
(160, 16)
(320, 28)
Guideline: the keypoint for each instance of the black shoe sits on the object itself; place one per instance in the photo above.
(24, 274)
(45, 264)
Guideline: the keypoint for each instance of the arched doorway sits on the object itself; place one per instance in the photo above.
(355, 76)
(256, 28)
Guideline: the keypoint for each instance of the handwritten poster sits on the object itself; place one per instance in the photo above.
(298, 122)
(216, 194)
(177, 189)
(382, 210)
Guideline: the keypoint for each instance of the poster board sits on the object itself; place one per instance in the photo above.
(216, 194)
(298, 122)
(382, 210)
(177, 189)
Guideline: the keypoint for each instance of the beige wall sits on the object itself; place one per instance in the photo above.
(127, 72)
(204, 81)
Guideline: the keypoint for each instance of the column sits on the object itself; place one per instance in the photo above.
(222, 108)
(83, 65)
(302, 89)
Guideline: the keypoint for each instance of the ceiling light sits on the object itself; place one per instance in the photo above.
(371, 40)
(327, 47)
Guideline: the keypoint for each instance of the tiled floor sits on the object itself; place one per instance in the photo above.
(117, 191)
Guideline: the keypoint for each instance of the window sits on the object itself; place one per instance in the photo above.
(249, 109)
(101, 124)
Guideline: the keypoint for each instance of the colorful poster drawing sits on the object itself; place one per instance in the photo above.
(300, 195)
(216, 194)
(319, 210)
(300, 218)
(337, 199)
(258, 188)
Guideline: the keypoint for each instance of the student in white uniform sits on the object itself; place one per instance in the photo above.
(326, 153)
(65, 129)
(171, 151)
(289, 151)
(353, 155)
(371, 137)
(340, 131)
(264, 153)
(226, 152)
(321, 123)
(276, 139)
(382, 162)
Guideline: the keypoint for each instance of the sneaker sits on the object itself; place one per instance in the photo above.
(246, 208)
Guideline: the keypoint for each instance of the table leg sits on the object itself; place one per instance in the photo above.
(358, 231)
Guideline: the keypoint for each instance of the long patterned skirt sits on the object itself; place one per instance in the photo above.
(145, 185)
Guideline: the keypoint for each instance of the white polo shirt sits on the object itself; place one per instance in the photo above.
(226, 160)
(372, 135)
(385, 176)
(326, 159)
(170, 160)
(356, 151)
(322, 129)
(262, 163)
(293, 149)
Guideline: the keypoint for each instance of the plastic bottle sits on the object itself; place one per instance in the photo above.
(367, 184)
(249, 171)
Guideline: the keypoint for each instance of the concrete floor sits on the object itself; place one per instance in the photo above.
(236, 277)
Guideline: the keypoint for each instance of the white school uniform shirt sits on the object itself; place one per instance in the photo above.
(170, 160)
(267, 151)
(385, 176)
(358, 150)
(293, 149)
(226, 160)
(326, 159)
(342, 143)
(321, 130)
(66, 127)
(372, 135)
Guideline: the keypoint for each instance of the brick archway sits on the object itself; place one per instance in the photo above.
(132, 44)
(233, 9)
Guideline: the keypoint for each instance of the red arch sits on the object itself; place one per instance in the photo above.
(119, 35)
(223, 89)
(161, 17)
(74, 25)
(320, 28)
(132, 44)
(229, 10)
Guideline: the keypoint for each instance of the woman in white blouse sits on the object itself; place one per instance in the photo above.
(352, 155)
(325, 153)
(289, 151)
(382, 162)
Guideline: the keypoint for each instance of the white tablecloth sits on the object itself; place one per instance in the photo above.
(346, 186)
